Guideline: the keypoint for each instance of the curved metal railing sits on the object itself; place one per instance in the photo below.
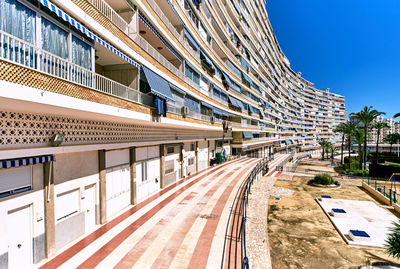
(234, 254)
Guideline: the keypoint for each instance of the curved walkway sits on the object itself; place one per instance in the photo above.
(182, 226)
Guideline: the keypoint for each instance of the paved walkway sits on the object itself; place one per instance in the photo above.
(257, 212)
(182, 226)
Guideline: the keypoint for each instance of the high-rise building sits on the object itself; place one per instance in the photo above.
(104, 102)
(393, 127)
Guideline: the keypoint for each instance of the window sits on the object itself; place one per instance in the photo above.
(191, 13)
(191, 161)
(18, 20)
(54, 39)
(192, 147)
(170, 150)
(192, 74)
(81, 53)
(169, 167)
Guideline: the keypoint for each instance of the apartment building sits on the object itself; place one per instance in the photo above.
(106, 102)
(393, 127)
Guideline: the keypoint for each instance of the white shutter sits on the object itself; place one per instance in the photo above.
(66, 204)
(15, 178)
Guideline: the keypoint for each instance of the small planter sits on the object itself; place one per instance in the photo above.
(332, 186)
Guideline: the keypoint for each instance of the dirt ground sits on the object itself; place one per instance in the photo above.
(301, 235)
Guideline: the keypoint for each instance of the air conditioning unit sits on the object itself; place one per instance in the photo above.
(212, 119)
(185, 111)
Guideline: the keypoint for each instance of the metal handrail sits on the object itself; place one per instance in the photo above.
(234, 253)
(279, 167)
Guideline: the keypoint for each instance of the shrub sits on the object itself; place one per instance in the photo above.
(393, 241)
(323, 179)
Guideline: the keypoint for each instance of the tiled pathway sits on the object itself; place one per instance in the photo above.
(182, 226)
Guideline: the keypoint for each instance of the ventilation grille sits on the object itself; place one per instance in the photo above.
(21, 130)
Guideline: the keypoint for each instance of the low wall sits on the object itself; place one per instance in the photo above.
(380, 197)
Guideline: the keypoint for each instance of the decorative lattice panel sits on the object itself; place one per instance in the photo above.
(26, 130)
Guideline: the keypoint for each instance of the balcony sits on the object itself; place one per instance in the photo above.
(108, 8)
(25, 54)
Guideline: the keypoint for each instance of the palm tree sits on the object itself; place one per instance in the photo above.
(348, 129)
(378, 126)
(396, 115)
(324, 144)
(392, 243)
(391, 139)
(366, 116)
(333, 151)
(359, 138)
(340, 129)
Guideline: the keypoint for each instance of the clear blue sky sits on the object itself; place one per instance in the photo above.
(349, 46)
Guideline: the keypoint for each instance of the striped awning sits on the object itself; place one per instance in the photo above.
(220, 112)
(247, 134)
(191, 40)
(207, 105)
(26, 161)
(246, 78)
(66, 17)
(159, 86)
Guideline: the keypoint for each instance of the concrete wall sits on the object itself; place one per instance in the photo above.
(74, 171)
(34, 198)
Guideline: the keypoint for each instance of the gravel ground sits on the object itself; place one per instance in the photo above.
(256, 225)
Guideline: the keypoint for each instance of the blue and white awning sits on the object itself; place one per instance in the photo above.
(60, 13)
(191, 40)
(26, 161)
(159, 86)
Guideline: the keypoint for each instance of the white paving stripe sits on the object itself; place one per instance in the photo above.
(185, 252)
(132, 240)
(88, 251)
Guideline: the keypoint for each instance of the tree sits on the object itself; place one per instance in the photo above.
(378, 126)
(333, 151)
(392, 242)
(396, 115)
(324, 144)
(359, 138)
(349, 129)
(391, 139)
(340, 129)
(366, 116)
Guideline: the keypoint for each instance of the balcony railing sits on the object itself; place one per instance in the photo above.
(165, 20)
(25, 54)
(110, 13)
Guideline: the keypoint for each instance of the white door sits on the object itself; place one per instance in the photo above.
(20, 238)
(118, 189)
(90, 207)
(147, 177)
(154, 176)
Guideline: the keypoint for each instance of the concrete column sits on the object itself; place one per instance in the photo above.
(197, 156)
(132, 169)
(49, 218)
(181, 161)
(162, 166)
(102, 184)
(209, 151)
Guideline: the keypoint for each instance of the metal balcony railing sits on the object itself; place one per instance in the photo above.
(110, 13)
(25, 54)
